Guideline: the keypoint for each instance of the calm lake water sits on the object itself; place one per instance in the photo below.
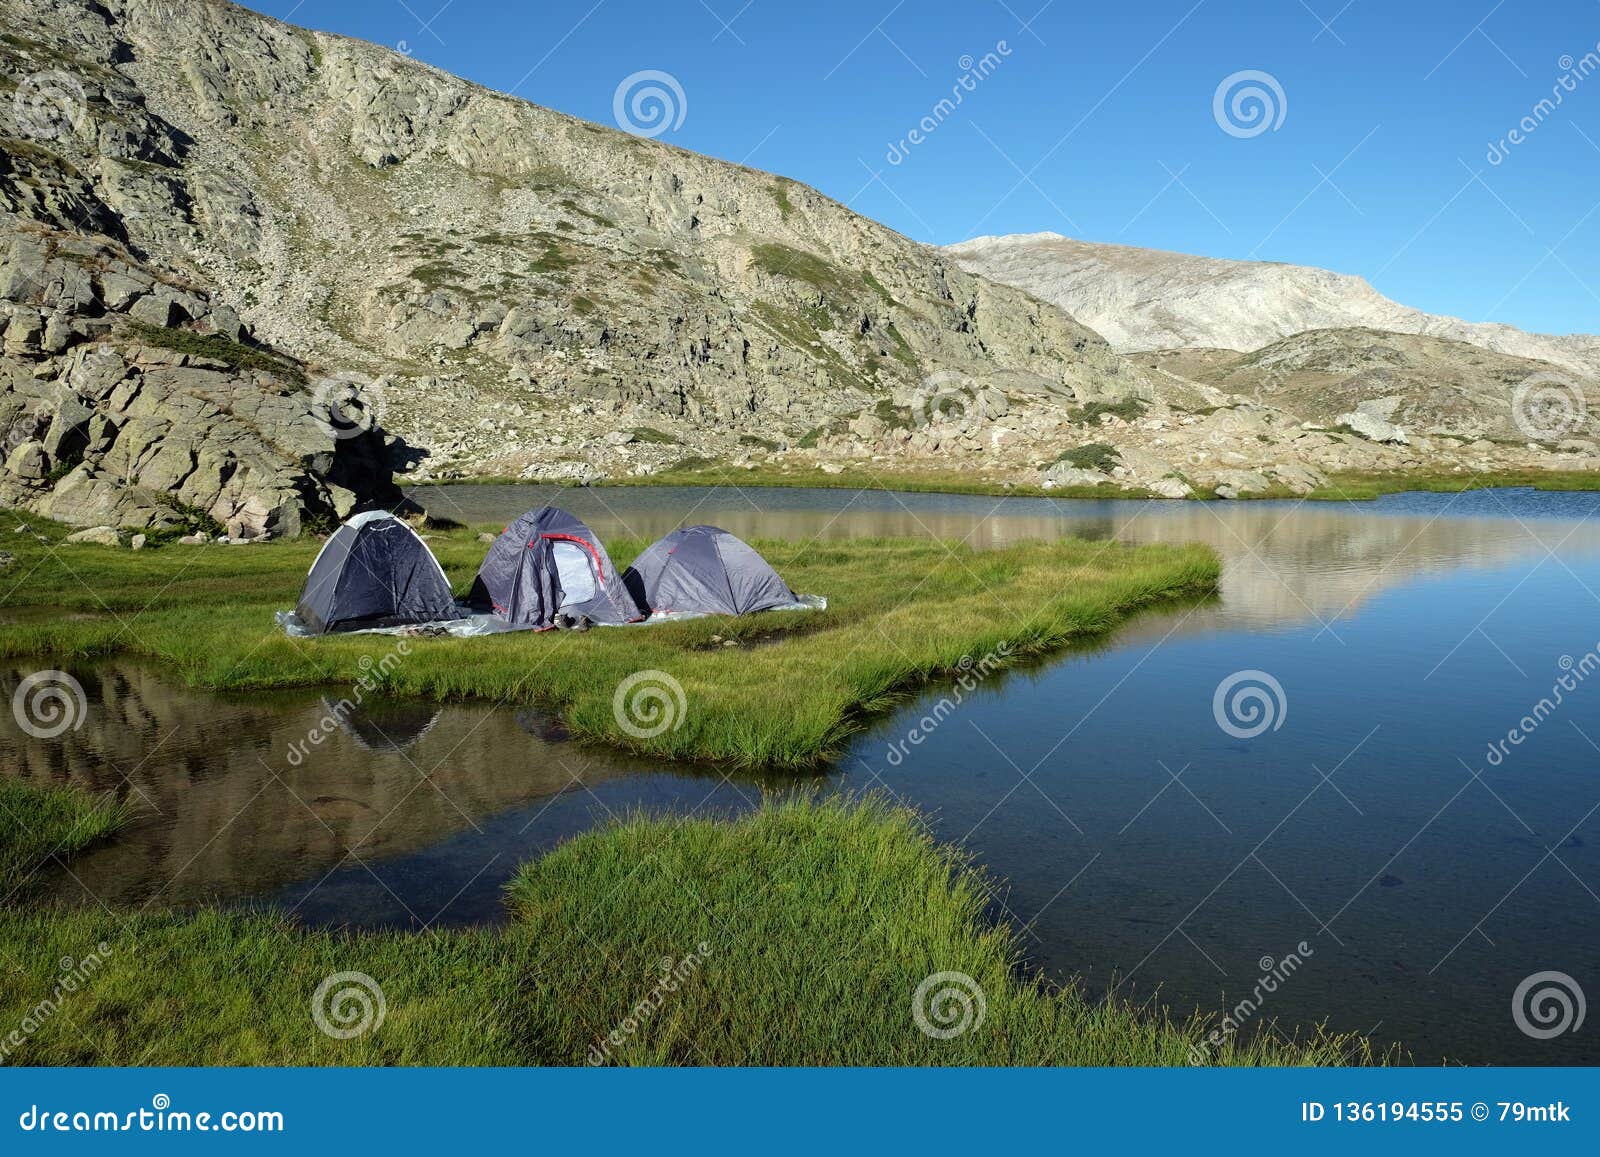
(1141, 844)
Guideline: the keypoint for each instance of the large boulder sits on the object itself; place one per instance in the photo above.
(99, 536)
(28, 461)
(1066, 474)
(1371, 419)
(125, 427)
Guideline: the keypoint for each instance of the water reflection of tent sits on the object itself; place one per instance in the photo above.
(387, 726)
(545, 728)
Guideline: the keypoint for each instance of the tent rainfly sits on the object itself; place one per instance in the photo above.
(705, 570)
(547, 563)
(374, 572)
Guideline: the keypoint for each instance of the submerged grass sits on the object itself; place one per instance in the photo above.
(1360, 487)
(789, 691)
(798, 935)
(39, 822)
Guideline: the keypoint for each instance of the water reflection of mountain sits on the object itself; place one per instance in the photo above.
(1283, 563)
(224, 808)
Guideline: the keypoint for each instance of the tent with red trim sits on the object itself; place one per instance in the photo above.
(547, 563)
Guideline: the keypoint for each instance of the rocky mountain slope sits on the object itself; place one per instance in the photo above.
(527, 293)
(1147, 299)
(270, 228)
(128, 398)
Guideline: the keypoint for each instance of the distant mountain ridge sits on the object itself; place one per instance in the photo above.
(1150, 299)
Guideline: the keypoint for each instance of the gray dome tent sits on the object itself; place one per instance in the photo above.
(705, 570)
(546, 563)
(374, 572)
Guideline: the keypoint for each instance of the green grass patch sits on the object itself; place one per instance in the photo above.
(902, 351)
(37, 823)
(436, 275)
(878, 287)
(654, 437)
(213, 345)
(1128, 409)
(554, 259)
(207, 612)
(798, 265)
(739, 915)
(1092, 456)
(573, 207)
(1361, 486)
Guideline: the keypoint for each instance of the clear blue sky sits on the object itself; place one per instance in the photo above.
(1099, 122)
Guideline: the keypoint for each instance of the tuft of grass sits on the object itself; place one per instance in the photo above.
(655, 437)
(554, 259)
(37, 823)
(1128, 409)
(798, 265)
(1092, 456)
(219, 348)
(207, 612)
(578, 975)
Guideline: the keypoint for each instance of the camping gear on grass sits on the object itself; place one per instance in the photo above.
(704, 570)
(372, 573)
(548, 563)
